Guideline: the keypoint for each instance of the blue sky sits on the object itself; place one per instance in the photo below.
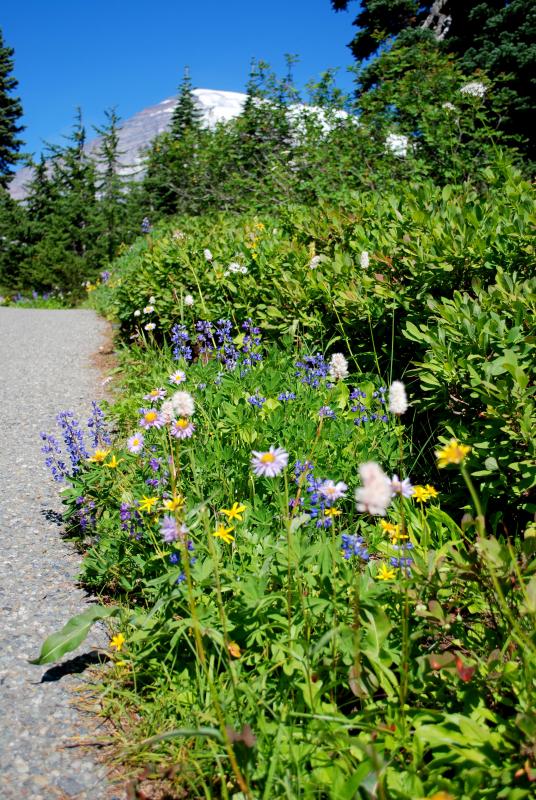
(97, 54)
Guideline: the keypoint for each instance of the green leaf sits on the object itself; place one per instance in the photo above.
(72, 634)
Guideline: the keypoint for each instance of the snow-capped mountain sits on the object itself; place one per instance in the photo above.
(138, 131)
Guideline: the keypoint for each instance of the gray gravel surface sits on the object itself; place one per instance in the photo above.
(45, 367)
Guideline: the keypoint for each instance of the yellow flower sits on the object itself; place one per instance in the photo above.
(174, 503)
(420, 494)
(388, 527)
(235, 512)
(113, 463)
(234, 649)
(332, 512)
(224, 533)
(453, 453)
(385, 573)
(117, 642)
(99, 456)
(431, 491)
(147, 503)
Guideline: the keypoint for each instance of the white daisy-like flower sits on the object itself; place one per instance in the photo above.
(374, 496)
(150, 326)
(474, 89)
(364, 260)
(188, 300)
(398, 401)
(178, 377)
(208, 255)
(148, 309)
(338, 367)
(270, 463)
(183, 404)
(137, 312)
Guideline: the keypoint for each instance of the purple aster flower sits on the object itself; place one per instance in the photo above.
(135, 444)
(154, 395)
(171, 530)
(401, 487)
(182, 428)
(270, 463)
(332, 491)
(151, 418)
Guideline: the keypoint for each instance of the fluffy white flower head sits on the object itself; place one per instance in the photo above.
(398, 401)
(166, 411)
(188, 300)
(314, 262)
(207, 254)
(374, 496)
(338, 367)
(183, 404)
(474, 89)
(364, 260)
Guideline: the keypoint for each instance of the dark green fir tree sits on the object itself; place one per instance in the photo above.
(10, 115)
(112, 184)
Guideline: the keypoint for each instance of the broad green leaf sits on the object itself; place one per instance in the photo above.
(72, 634)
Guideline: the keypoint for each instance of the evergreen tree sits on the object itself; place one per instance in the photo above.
(187, 115)
(13, 246)
(10, 114)
(111, 184)
(496, 36)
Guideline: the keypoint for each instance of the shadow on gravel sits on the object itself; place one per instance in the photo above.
(52, 516)
(74, 666)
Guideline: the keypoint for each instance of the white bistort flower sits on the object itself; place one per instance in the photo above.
(474, 89)
(398, 401)
(183, 404)
(338, 367)
(374, 496)
(188, 300)
(167, 412)
(449, 106)
(364, 260)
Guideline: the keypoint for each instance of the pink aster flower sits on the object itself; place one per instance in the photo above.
(135, 444)
(332, 491)
(151, 418)
(376, 493)
(269, 464)
(155, 394)
(182, 428)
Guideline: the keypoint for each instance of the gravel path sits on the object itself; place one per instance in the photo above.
(45, 367)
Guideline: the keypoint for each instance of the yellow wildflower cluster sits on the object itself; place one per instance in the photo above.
(393, 530)
(99, 456)
(453, 453)
(424, 493)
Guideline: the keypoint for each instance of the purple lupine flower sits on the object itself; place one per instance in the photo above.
(105, 276)
(312, 369)
(180, 338)
(251, 344)
(226, 350)
(205, 336)
(98, 430)
(73, 438)
(145, 225)
(256, 400)
(85, 513)
(154, 464)
(131, 520)
(55, 464)
(286, 397)
(326, 412)
(354, 545)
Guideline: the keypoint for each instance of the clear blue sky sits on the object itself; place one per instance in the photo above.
(97, 54)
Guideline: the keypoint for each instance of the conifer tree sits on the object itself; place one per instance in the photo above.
(10, 114)
(186, 115)
(111, 184)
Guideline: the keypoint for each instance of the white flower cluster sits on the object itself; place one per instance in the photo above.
(398, 144)
(207, 254)
(474, 89)
(188, 300)
(374, 496)
(449, 106)
(364, 260)
(180, 405)
(234, 268)
(398, 402)
(338, 367)
(314, 262)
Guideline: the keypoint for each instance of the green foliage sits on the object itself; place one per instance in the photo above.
(72, 634)
(477, 369)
